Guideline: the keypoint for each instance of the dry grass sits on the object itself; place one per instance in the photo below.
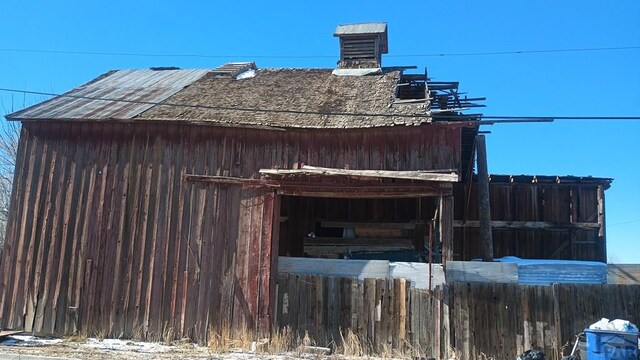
(75, 338)
(284, 340)
(225, 340)
(101, 334)
(137, 333)
(354, 345)
(168, 334)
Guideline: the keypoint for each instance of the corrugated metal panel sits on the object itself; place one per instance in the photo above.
(139, 88)
(481, 272)
(547, 272)
(418, 274)
(360, 269)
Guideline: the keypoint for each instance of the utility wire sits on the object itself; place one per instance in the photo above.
(518, 52)
(492, 118)
(487, 53)
(211, 107)
(624, 222)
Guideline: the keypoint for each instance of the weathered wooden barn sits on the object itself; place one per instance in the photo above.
(157, 200)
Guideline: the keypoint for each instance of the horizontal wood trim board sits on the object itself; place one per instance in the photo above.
(343, 224)
(229, 180)
(542, 225)
(319, 189)
(359, 194)
(317, 250)
(327, 241)
(409, 175)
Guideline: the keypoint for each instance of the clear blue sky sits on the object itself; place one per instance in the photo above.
(605, 83)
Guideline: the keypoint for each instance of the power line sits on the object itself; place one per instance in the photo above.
(518, 52)
(491, 118)
(255, 56)
(625, 222)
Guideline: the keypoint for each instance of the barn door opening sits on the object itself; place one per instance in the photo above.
(394, 229)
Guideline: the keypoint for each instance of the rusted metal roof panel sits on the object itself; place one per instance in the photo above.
(121, 94)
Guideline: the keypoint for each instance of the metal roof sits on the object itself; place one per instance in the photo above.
(363, 28)
(135, 90)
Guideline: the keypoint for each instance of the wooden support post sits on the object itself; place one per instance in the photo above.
(486, 242)
(268, 263)
(446, 228)
(601, 221)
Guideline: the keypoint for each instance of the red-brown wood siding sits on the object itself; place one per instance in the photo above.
(105, 233)
(561, 204)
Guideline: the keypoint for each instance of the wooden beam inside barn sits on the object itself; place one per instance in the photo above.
(530, 225)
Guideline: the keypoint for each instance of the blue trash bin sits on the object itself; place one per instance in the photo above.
(611, 345)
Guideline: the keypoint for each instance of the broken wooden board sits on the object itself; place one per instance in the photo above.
(5, 333)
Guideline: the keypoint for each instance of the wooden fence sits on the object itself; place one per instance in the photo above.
(384, 313)
(503, 320)
(477, 321)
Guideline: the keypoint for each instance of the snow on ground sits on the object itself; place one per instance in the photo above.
(28, 340)
(16, 346)
(126, 345)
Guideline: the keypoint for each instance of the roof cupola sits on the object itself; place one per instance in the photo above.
(362, 45)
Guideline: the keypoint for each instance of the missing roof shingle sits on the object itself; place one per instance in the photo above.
(232, 69)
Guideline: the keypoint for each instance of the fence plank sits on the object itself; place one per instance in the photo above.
(476, 320)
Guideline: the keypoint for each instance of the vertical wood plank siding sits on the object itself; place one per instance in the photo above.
(105, 234)
(552, 203)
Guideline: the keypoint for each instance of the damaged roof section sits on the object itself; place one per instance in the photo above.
(240, 95)
(551, 179)
(294, 98)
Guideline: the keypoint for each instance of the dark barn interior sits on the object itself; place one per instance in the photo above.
(391, 229)
(535, 217)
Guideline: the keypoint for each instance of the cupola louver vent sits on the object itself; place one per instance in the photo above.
(362, 45)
